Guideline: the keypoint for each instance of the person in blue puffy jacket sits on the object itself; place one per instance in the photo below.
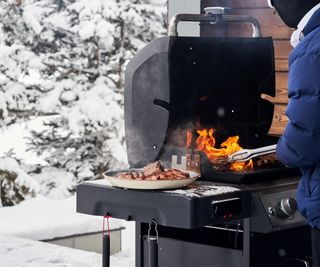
(300, 144)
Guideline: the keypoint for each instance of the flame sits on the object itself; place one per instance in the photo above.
(241, 166)
(206, 143)
(189, 139)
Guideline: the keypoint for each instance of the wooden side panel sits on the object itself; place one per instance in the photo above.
(282, 49)
(271, 25)
(280, 120)
(282, 88)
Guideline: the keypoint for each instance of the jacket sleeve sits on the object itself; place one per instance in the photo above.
(300, 144)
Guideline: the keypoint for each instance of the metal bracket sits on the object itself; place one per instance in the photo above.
(155, 229)
(215, 10)
(193, 165)
(187, 163)
(176, 165)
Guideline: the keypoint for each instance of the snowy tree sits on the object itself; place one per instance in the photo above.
(15, 184)
(66, 59)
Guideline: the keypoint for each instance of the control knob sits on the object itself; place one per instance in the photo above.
(286, 207)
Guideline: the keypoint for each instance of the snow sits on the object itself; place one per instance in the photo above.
(6, 61)
(23, 179)
(97, 106)
(43, 219)
(55, 183)
(197, 189)
(119, 151)
(15, 95)
(19, 252)
(3, 105)
(204, 190)
(31, 19)
(18, 145)
(50, 101)
(68, 96)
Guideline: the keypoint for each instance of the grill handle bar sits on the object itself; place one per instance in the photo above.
(213, 19)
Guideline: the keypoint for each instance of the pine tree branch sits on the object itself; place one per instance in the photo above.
(70, 69)
(29, 113)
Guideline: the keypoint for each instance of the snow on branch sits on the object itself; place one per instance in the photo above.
(15, 184)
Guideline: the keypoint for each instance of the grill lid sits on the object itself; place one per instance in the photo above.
(179, 82)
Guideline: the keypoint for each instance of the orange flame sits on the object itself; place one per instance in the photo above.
(206, 142)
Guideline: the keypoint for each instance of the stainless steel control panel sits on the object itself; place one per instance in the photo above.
(281, 209)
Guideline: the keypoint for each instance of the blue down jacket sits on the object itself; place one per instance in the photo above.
(300, 144)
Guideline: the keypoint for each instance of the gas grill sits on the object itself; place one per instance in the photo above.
(230, 218)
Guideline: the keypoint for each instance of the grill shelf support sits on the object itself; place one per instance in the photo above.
(106, 243)
(153, 245)
(106, 251)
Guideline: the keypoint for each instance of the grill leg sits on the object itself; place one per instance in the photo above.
(246, 242)
(153, 252)
(106, 251)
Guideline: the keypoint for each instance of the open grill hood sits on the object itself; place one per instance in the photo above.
(176, 83)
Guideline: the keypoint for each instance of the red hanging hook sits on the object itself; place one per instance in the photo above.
(108, 225)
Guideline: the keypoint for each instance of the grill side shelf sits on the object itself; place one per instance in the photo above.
(184, 208)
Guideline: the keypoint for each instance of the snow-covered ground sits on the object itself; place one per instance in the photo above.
(18, 252)
(41, 218)
(128, 240)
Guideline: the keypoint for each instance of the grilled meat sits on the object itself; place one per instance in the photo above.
(153, 177)
(153, 168)
(131, 175)
(270, 160)
(154, 171)
(173, 174)
(125, 175)
(221, 164)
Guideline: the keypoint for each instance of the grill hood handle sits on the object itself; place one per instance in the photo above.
(214, 15)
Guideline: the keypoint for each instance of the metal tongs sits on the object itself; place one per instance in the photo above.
(246, 154)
